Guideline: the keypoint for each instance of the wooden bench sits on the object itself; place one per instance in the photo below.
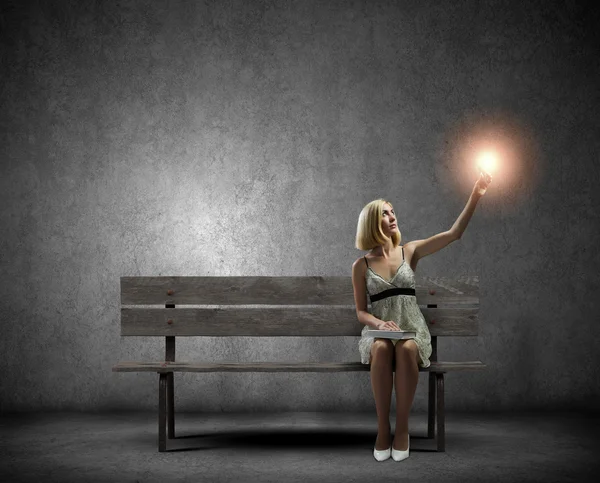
(295, 306)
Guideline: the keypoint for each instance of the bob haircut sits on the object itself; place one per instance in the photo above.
(368, 231)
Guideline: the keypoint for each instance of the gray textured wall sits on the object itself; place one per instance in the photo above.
(243, 138)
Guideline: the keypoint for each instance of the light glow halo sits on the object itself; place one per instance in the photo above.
(487, 162)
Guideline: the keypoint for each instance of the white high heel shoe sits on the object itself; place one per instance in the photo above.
(384, 454)
(399, 455)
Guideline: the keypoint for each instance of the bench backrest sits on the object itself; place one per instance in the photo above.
(280, 306)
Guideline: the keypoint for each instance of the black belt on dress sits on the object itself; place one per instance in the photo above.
(391, 292)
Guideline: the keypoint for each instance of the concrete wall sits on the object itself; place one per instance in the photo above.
(244, 138)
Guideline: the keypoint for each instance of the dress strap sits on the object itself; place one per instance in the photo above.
(366, 261)
(403, 254)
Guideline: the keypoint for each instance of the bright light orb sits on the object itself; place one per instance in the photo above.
(487, 161)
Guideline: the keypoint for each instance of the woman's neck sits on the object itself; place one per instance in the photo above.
(384, 251)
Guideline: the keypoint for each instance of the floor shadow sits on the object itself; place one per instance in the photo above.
(297, 439)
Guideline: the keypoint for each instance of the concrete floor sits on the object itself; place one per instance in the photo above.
(303, 447)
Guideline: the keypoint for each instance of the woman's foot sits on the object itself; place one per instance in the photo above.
(402, 452)
(401, 441)
(384, 440)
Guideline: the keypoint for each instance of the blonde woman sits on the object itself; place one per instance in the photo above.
(386, 275)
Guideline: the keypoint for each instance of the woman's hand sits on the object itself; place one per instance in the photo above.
(482, 184)
(388, 325)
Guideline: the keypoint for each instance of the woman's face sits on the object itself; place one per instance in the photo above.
(388, 220)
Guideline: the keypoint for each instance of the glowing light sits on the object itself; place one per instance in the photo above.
(487, 161)
(499, 144)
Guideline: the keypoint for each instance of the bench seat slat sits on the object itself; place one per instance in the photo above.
(134, 366)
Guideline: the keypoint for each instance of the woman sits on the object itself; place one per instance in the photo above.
(389, 265)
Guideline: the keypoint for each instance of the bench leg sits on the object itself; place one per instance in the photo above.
(431, 407)
(162, 412)
(441, 428)
(171, 404)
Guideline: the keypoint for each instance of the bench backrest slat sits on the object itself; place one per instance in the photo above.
(279, 306)
(262, 290)
(278, 321)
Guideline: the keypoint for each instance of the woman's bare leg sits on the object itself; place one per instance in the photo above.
(407, 377)
(382, 356)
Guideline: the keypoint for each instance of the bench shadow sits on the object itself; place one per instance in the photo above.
(297, 439)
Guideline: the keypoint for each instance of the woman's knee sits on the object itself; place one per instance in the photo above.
(382, 348)
(407, 348)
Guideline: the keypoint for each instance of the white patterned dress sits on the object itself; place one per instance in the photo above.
(402, 309)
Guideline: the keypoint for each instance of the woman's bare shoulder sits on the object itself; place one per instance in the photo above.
(409, 250)
(359, 265)
(409, 246)
(359, 261)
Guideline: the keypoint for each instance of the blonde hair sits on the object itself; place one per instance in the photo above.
(368, 231)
